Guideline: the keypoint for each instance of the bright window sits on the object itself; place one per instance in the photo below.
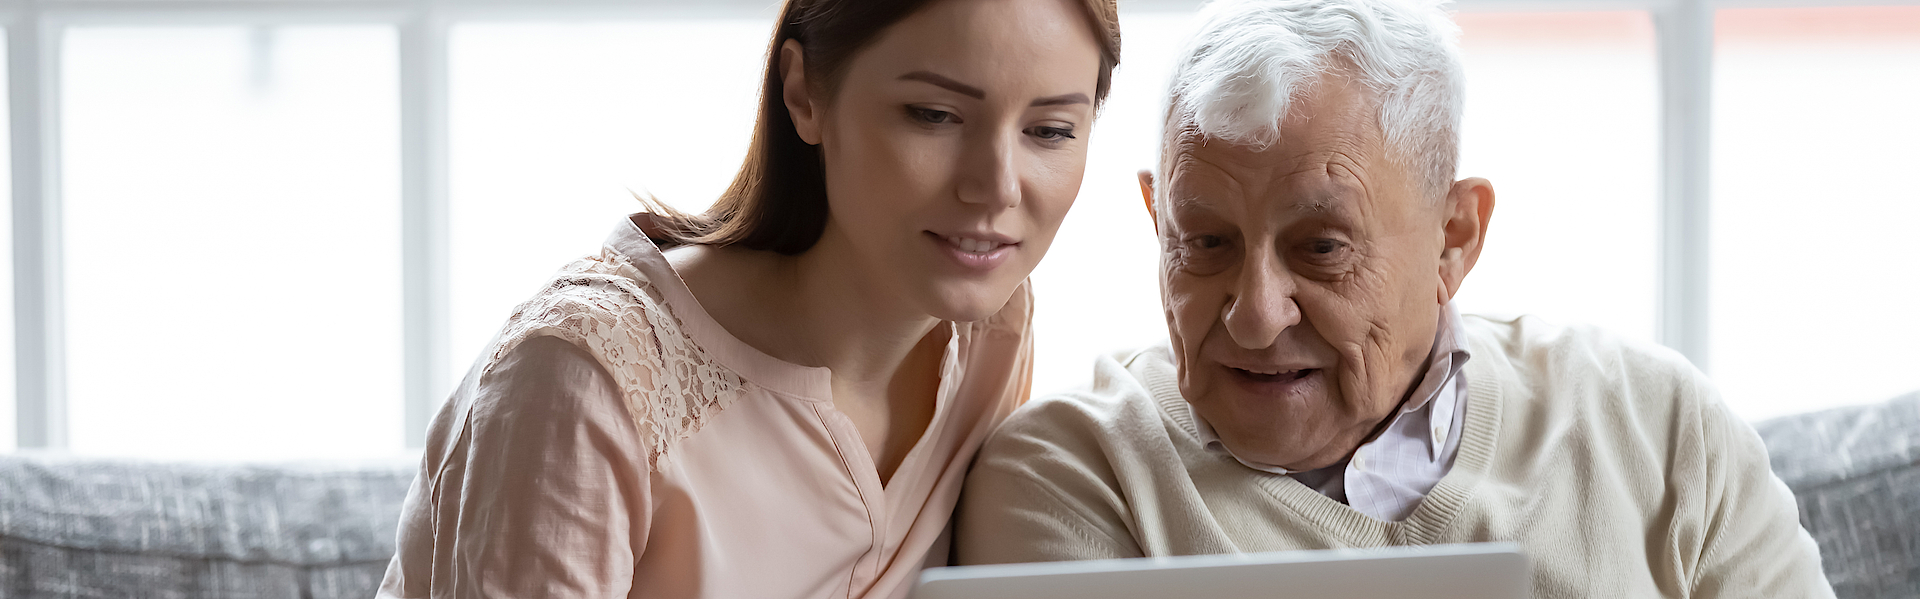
(1816, 274)
(8, 428)
(1562, 117)
(232, 241)
(1099, 289)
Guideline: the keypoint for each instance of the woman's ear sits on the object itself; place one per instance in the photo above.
(1469, 210)
(794, 91)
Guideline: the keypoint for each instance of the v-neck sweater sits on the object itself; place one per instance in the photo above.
(1612, 465)
(616, 441)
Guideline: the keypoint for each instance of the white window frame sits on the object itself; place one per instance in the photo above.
(34, 29)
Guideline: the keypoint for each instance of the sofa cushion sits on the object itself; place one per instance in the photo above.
(86, 527)
(1856, 474)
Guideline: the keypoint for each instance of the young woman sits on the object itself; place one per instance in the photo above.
(784, 401)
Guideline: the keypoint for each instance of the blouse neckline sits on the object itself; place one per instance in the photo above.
(812, 383)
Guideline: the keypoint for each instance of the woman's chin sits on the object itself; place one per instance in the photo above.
(969, 301)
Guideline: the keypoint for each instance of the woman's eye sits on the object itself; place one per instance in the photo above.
(1051, 133)
(931, 116)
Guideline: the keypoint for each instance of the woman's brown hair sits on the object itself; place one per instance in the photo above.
(778, 201)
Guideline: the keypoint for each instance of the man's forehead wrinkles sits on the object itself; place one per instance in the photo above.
(1189, 198)
(1347, 173)
(1201, 206)
(1352, 138)
(1196, 175)
(1235, 183)
(1316, 202)
(1184, 202)
(1313, 186)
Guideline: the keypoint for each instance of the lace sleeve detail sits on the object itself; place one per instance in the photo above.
(607, 307)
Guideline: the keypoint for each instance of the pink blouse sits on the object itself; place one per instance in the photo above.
(617, 441)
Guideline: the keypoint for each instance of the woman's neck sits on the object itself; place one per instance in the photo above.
(819, 308)
(856, 323)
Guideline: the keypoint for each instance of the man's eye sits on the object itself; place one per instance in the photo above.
(1206, 255)
(931, 116)
(1325, 252)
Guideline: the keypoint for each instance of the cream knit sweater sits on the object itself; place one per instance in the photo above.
(1613, 465)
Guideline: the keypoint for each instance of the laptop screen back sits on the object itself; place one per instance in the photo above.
(1476, 571)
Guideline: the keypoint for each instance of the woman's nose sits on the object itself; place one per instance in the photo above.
(990, 170)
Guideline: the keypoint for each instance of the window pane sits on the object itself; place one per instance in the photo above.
(9, 437)
(553, 124)
(1099, 289)
(1815, 269)
(232, 241)
(1562, 117)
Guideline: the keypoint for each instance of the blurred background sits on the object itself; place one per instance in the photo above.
(284, 230)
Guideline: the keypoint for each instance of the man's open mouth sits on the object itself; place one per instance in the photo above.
(1283, 376)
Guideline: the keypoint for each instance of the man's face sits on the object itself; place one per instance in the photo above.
(1302, 283)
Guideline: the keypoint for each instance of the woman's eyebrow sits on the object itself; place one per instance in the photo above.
(942, 81)
(1062, 100)
(980, 94)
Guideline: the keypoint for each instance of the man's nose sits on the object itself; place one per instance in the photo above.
(1262, 305)
(990, 170)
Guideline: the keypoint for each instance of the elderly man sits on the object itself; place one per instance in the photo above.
(1319, 390)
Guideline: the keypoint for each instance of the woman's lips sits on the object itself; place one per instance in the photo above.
(974, 253)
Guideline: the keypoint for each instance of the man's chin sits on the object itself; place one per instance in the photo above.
(1292, 458)
(1290, 431)
(1316, 449)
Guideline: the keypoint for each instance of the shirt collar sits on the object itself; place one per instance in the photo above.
(1449, 355)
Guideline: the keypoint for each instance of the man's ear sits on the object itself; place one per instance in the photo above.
(1146, 192)
(1469, 207)
(794, 91)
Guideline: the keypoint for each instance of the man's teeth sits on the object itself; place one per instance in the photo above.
(976, 246)
(1276, 373)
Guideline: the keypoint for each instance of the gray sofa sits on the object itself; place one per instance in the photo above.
(88, 528)
(1856, 474)
(85, 528)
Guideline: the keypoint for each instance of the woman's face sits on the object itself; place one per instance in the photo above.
(953, 147)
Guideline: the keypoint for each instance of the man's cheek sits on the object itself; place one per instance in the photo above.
(1360, 308)
(1180, 324)
(1342, 322)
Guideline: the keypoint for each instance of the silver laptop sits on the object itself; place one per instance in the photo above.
(1476, 571)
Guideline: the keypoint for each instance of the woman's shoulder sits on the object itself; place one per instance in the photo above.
(606, 308)
(601, 303)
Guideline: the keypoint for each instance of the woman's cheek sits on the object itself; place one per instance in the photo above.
(1051, 189)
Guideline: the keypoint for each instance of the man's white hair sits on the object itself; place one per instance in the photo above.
(1251, 58)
